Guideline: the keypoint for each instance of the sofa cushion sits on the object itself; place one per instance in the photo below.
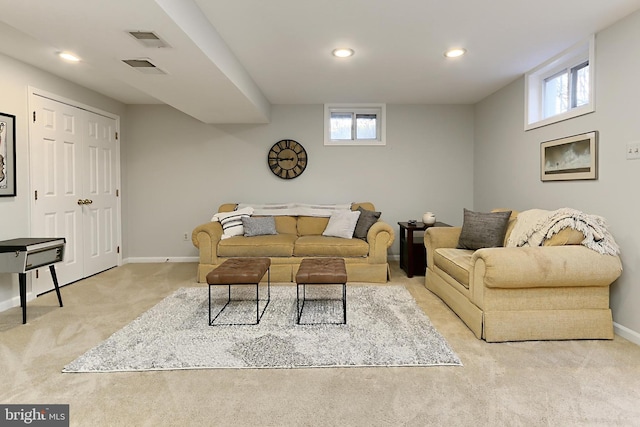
(330, 246)
(365, 221)
(277, 245)
(566, 236)
(227, 207)
(259, 226)
(454, 262)
(342, 224)
(286, 224)
(364, 205)
(483, 229)
(311, 225)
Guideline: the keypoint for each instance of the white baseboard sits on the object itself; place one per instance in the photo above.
(15, 301)
(9, 303)
(626, 333)
(156, 260)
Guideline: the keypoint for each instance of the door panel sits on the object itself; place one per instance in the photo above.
(100, 227)
(74, 164)
(56, 144)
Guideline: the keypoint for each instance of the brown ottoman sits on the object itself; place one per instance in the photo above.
(240, 271)
(321, 271)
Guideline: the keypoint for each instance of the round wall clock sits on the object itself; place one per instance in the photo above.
(287, 159)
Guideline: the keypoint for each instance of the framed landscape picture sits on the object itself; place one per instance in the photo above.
(570, 158)
(7, 155)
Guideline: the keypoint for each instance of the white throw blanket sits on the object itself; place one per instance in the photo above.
(294, 209)
(534, 226)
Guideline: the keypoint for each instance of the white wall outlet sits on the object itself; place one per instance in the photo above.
(185, 237)
(633, 150)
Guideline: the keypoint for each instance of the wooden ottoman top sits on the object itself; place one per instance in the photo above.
(321, 270)
(239, 271)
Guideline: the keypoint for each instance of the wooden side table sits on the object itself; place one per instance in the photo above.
(413, 258)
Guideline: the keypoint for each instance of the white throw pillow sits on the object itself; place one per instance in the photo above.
(342, 224)
(232, 222)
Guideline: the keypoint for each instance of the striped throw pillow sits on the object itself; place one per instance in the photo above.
(232, 222)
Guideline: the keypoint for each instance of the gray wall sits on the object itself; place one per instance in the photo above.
(176, 170)
(507, 161)
(180, 170)
(14, 211)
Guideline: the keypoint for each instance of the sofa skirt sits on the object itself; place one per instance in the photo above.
(522, 324)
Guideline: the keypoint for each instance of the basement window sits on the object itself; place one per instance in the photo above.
(562, 87)
(354, 124)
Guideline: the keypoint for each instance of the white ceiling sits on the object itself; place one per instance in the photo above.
(229, 60)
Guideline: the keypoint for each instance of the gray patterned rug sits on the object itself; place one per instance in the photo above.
(385, 327)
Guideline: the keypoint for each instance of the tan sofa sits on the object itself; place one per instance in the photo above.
(556, 291)
(298, 237)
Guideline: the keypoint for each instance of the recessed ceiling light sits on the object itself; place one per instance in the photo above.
(454, 53)
(68, 56)
(342, 52)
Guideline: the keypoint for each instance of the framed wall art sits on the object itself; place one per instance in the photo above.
(571, 158)
(7, 155)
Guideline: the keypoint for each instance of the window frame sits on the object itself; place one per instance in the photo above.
(571, 60)
(573, 81)
(355, 109)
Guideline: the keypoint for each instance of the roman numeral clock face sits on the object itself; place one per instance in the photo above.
(287, 159)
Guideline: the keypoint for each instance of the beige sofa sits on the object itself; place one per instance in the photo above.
(298, 237)
(556, 291)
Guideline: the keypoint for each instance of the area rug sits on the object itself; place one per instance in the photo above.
(385, 327)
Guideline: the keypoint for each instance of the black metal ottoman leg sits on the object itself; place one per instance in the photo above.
(209, 305)
(344, 303)
(298, 303)
(257, 303)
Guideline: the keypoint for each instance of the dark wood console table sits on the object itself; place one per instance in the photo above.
(413, 258)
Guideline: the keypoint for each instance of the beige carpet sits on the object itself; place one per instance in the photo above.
(565, 383)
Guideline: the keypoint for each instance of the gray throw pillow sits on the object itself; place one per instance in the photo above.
(365, 221)
(259, 226)
(483, 230)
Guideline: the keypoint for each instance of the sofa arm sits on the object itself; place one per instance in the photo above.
(205, 237)
(440, 237)
(380, 237)
(543, 266)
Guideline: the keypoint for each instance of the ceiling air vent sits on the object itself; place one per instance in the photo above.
(148, 39)
(144, 66)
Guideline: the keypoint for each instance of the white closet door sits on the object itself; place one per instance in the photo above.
(100, 212)
(56, 164)
(74, 176)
